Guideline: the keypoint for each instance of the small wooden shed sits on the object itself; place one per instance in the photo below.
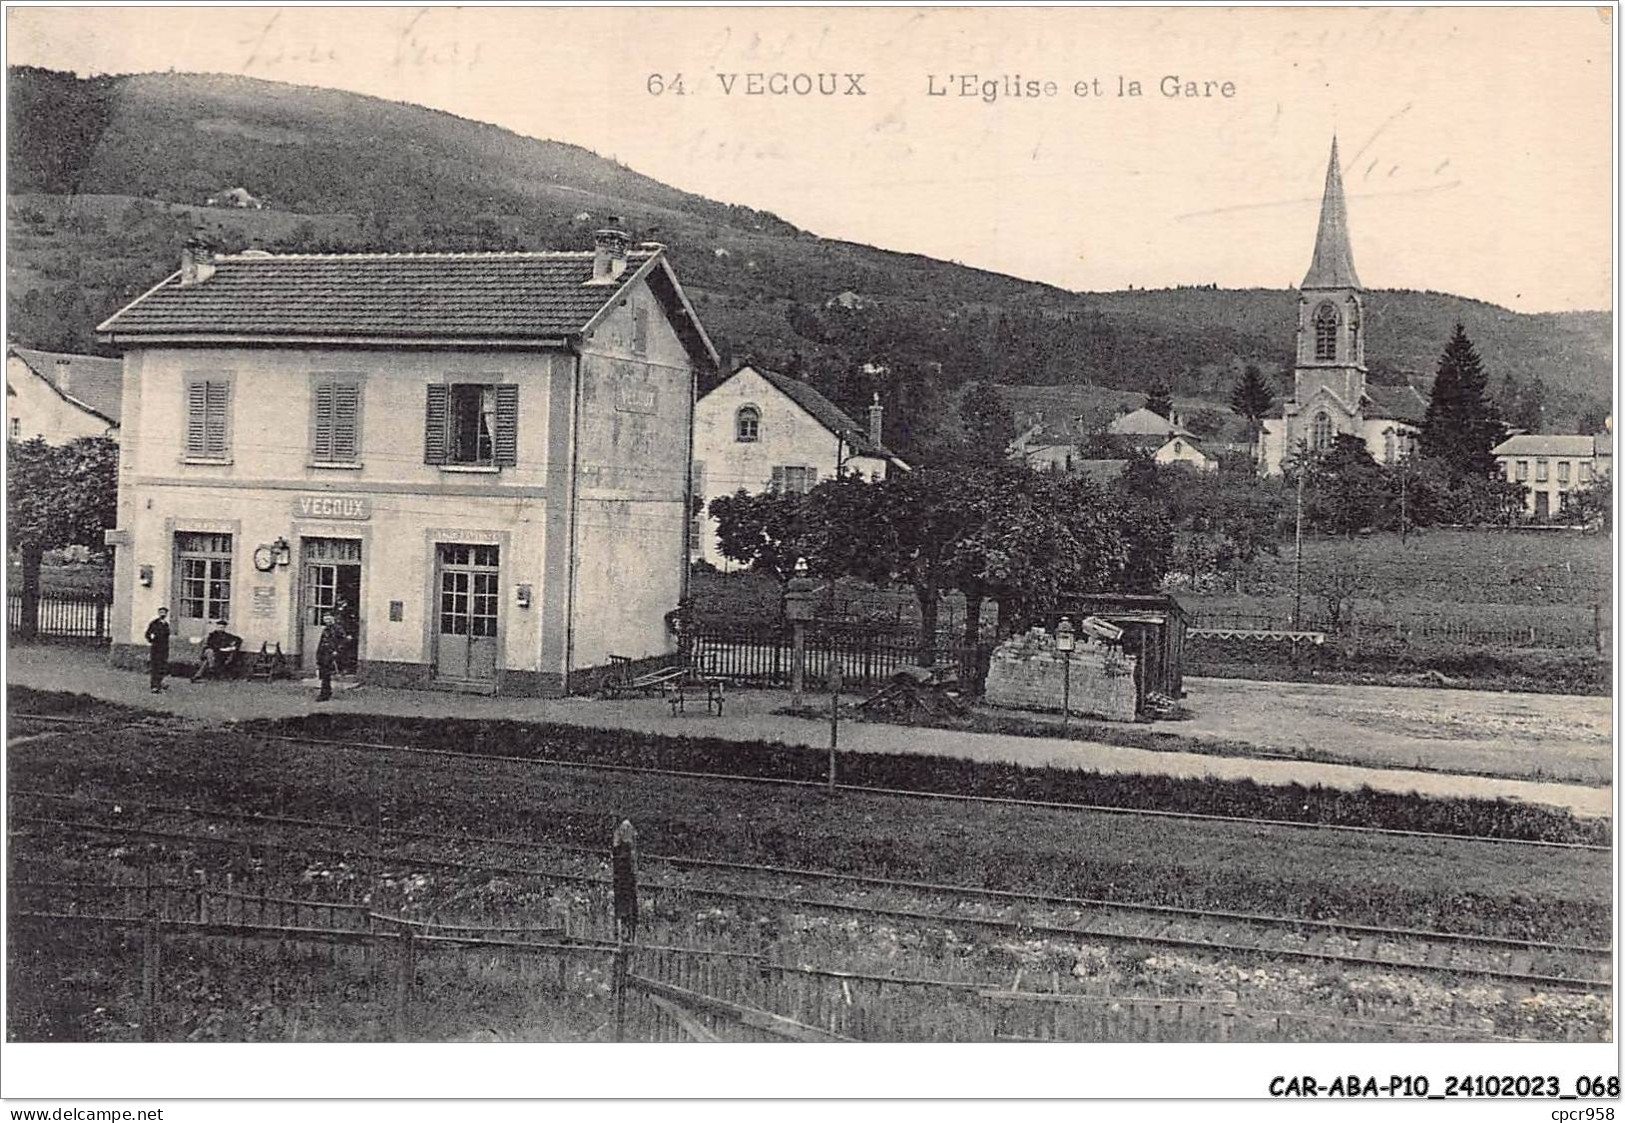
(1153, 632)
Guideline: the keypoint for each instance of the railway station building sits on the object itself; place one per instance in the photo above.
(478, 462)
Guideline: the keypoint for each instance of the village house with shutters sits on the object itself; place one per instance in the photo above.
(1330, 394)
(60, 397)
(480, 460)
(760, 431)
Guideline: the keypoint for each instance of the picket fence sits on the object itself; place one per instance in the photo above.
(73, 617)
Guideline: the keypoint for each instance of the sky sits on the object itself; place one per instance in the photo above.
(1476, 142)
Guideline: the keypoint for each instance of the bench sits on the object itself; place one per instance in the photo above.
(677, 693)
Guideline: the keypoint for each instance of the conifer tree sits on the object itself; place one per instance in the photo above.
(1159, 399)
(1252, 398)
(1462, 424)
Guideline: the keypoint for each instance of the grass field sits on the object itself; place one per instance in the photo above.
(1494, 580)
(1444, 884)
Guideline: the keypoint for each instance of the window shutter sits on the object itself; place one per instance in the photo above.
(197, 406)
(507, 434)
(778, 480)
(346, 447)
(322, 442)
(434, 424)
(812, 477)
(214, 428)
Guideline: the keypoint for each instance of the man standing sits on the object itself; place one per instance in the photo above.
(158, 652)
(327, 654)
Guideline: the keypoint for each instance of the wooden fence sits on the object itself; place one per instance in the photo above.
(76, 617)
(675, 981)
(866, 656)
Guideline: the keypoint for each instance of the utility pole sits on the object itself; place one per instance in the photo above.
(1297, 549)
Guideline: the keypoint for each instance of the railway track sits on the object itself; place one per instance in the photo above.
(376, 748)
(1504, 960)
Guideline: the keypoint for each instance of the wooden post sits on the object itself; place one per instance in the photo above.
(150, 965)
(624, 864)
(834, 719)
(405, 975)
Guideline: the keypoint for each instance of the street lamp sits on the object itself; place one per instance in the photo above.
(1065, 642)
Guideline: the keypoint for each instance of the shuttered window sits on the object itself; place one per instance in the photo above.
(472, 424)
(208, 406)
(336, 422)
(795, 479)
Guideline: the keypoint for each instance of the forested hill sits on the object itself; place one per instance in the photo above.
(109, 176)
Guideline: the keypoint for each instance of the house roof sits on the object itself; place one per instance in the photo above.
(428, 297)
(1395, 403)
(825, 412)
(90, 382)
(1552, 444)
(1333, 264)
(1145, 422)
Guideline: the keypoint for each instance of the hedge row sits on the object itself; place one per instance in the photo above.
(950, 775)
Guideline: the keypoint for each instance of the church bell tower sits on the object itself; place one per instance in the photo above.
(1329, 376)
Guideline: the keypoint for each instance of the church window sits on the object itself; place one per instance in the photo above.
(1325, 332)
(1354, 329)
(1320, 434)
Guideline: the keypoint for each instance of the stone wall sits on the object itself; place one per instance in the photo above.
(1026, 672)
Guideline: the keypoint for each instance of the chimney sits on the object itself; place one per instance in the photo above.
(875, 413)
(64, 375)
(609, 247)
(197, 262)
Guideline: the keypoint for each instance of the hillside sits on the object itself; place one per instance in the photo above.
(108, 178)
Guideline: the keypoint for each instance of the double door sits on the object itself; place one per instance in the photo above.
(331, 588)
(468, 578)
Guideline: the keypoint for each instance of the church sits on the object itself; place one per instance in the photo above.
(1329, 391)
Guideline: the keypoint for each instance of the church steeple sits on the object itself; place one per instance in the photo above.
(1333, 264)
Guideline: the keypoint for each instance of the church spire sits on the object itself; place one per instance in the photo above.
(1333, 266)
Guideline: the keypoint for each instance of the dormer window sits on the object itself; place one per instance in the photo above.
(1326, 321)
(747, 424)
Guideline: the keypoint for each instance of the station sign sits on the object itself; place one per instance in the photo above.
(356, 508)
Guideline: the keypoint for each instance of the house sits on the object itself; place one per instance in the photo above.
(61, 397)
(1330, 395)
(1163, 439)
(758, 430)
(1549, 466)
(238, 197)
(477, 460)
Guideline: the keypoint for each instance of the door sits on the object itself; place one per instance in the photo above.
(331, 584)
(1542, 506)
(466, 640)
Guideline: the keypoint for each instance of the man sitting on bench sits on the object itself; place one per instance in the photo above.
(221, 651)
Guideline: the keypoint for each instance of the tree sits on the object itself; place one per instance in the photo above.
(1347, 490)
(1461, 426)
(1591, 505)
(988, 424)
(769, 532)
(1159, 399)
(1038, 535)
(57, 496)
(1252, 398)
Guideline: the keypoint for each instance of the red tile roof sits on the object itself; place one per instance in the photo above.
(509, 296)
